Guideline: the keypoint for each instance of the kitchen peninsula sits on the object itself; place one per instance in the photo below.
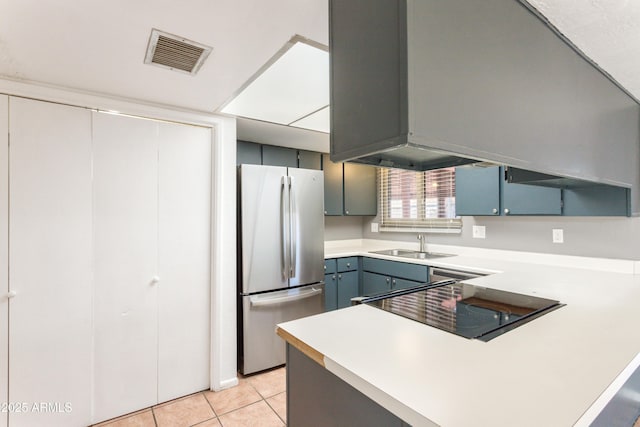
(556, 370)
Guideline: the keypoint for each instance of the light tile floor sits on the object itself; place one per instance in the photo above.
(258, 400)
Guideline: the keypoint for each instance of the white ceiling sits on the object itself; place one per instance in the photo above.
(99, 46)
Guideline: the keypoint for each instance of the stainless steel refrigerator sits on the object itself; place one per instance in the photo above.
(280, 275)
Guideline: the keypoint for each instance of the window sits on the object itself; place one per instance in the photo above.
(418, 200)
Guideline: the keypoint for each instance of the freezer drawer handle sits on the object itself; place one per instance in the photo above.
(257, 301)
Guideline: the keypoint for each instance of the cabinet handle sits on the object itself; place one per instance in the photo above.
(155, 280)
(339, 276)
(11, 294)
(348, 265)
(333, 277)
(393, 282)
(325, 212)
(495, 316)
(388, 280)
(347, 212)
(506, 210)
(494, 210)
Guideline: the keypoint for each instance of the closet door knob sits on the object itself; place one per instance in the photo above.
(155, 280)
(11, 294)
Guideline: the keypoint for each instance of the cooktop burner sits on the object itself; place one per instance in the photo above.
(467, 310)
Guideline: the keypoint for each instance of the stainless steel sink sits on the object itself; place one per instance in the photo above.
(407, 253)
(424, 255)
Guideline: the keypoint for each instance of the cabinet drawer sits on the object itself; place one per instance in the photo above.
(415, 272)
(347, 264)
(329, 266)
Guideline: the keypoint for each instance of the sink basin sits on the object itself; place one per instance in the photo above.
(407, 253)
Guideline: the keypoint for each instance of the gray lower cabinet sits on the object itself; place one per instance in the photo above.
(382, 275)
(316, 397)
(484, 191)
(350, 189)
(341, 282)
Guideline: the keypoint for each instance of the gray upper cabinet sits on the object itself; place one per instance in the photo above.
(333, 190)
(309, 160)
(248, 153)
(420, 84)
(349, 189)
(279, 156)
(359, 190)
(478, 191)
(484, 191)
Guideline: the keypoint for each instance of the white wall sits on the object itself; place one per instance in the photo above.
(604, 237)
(343, 227)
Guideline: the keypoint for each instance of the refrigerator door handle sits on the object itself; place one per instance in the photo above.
(284, 226)
(257, 300)
(293, 215)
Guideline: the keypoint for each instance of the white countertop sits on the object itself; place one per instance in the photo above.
(548, 372)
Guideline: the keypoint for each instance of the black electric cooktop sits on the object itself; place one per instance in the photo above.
(467, 310)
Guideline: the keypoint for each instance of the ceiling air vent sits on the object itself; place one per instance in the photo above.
(176, 53)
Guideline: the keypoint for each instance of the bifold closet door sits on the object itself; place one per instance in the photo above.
(50, 264)
(125, 179)
(184, 259)
(4, 255)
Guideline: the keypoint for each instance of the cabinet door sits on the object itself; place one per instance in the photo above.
(333, 190)
(248, 153)
(330, 292)
(373, 283)
(360, 190)
(50, 261)
(522, 199)
(125, 232)
(4, 254)
(478, 191)
(279, 156)
(184, 211)
(309, 160)
(397, 283)
(347, 288)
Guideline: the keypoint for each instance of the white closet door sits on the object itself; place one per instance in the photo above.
(125, 252)
(50, 263)
(184, 259)
(4, 254)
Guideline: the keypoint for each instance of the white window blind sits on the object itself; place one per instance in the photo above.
(418, 200)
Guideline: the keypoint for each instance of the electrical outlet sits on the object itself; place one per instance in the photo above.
(374, 227)
(479, 231)
(558, 235)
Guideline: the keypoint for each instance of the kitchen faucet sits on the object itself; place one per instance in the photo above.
(423, 242)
